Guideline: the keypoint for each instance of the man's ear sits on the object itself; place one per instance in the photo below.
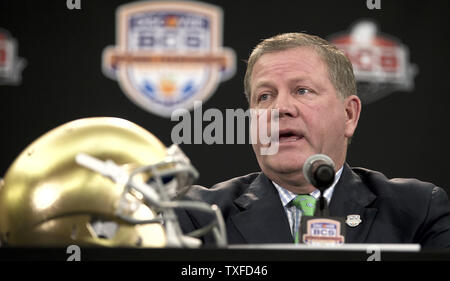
(352, 110)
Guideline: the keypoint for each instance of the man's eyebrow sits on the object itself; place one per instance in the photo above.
(306, 80)
(269, 84)
(301, 80)
(298, 79)
(263, 84)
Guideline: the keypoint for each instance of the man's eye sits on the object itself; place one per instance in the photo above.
(263, 97)
(302, 91)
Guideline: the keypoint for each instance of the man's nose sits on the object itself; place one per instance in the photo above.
(286, 105)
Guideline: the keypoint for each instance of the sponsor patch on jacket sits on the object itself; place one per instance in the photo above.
(353, 220)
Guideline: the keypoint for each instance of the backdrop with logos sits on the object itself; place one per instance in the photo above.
(60, 60)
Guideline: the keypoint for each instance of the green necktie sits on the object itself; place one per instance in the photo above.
(307, 204)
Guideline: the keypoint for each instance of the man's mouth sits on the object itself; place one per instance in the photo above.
(286, 136)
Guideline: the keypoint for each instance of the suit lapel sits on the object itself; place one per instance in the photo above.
(352, 197)
(262, 219)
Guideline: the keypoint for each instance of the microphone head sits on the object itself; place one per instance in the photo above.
(324, 176)
(319, 171)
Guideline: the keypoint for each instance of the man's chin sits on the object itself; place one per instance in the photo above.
(286, 168)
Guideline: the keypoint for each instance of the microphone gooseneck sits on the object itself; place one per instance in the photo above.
(319, 171)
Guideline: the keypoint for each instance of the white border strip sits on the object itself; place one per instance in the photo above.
(345, 247)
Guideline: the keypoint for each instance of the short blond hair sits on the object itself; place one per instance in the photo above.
(340, 69)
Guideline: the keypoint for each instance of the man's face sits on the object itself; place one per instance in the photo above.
(312, 117)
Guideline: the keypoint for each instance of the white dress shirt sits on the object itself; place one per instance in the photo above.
(294, 214)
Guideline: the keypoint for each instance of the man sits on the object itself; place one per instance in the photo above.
(311, 84)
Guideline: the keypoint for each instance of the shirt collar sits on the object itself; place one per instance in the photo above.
(287, 196)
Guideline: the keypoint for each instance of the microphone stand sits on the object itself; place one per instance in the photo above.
(321, 228)
(323, 210)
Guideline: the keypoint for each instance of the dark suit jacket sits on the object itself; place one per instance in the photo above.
(392, 211)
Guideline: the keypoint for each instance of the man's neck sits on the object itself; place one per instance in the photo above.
(295, 183)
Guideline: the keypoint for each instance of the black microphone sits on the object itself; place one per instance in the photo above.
(319, 171)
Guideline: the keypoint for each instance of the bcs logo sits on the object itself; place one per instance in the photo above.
(323, 231)
(11, 65)
(168, 54)
(380, 63)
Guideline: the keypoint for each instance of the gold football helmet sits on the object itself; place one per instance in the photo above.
(99, 182)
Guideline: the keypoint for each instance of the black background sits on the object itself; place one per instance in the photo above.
(403, 135)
